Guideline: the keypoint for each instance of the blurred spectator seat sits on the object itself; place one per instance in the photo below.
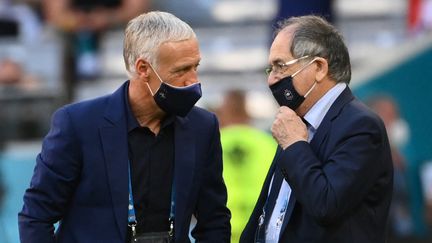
(26, 104)
(18, 19)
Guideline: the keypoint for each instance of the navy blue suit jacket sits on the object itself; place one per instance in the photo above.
(341, 182)
(81, 177)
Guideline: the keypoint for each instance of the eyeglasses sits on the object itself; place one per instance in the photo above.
(281, 67)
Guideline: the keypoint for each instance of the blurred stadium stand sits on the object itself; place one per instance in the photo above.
(25, 113)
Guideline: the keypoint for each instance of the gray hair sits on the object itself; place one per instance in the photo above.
(314, 36)
(145, 33)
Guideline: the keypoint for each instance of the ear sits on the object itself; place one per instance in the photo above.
(321, 68)
(142, 68)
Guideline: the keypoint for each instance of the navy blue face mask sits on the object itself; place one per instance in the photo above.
(285, 93)
(176, 100)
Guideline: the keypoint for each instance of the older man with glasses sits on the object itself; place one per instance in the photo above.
(331, 178)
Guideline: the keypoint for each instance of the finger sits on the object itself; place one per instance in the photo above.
(285, 116)
(285, 109)
(274, 131)
(282, 119)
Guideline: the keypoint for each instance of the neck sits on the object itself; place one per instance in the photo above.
(319, 91)
(143, 106)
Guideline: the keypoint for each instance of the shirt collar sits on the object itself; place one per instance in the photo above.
(316, 114)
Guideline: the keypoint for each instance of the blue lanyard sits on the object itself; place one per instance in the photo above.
(131, 209)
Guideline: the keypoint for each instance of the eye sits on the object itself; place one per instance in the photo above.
(196, 67)
(279, 66)
(180, 71)
(268, 70)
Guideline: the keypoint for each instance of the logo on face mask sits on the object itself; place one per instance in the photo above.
(288, 95)
(176, 100)
(162, 95)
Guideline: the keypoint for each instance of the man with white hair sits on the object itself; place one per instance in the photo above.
(134, 166)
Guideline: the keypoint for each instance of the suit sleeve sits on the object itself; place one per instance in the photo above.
(53, 182)
(213, 217)
(331, 189)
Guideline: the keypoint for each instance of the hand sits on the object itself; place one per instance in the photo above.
(288, 128)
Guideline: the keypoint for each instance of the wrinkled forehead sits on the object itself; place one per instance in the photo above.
(280, 50)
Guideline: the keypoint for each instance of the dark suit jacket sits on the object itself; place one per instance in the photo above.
(81, 177)
(341, 182)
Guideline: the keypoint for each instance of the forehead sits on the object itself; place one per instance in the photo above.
(179, 51)
(280, 48)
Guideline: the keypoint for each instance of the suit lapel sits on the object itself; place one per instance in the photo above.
(274, 193)
(262, 204)
(113, 134)
(184, 166)
(333, 112)
(288, 212)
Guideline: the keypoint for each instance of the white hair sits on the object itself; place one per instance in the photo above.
(145, 33)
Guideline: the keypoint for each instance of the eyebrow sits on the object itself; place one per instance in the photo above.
(186, 66)
(277, 60)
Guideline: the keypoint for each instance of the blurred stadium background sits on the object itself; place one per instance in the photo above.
(390, 42)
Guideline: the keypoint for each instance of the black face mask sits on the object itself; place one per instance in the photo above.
(176, 100)
(285, 93)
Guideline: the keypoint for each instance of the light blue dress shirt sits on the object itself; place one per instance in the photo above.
(314, 117)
